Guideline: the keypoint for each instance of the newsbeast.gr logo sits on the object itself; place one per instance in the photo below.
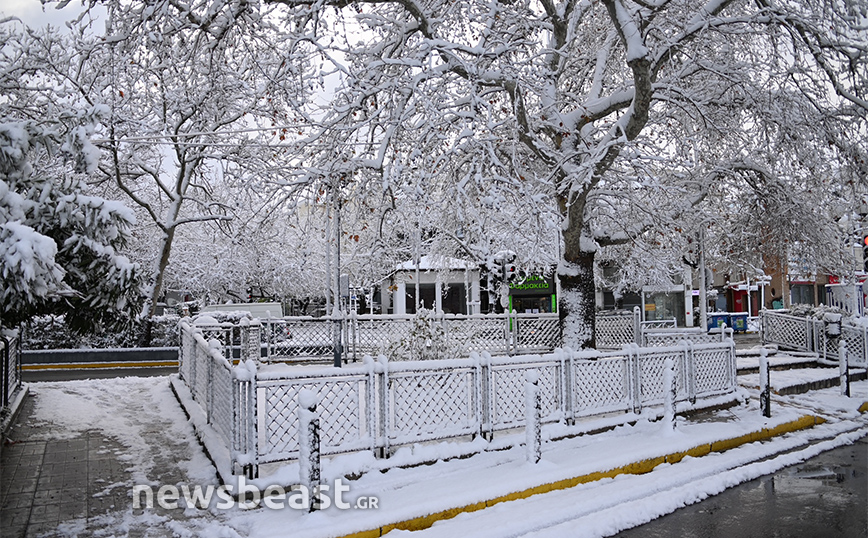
(299, 497)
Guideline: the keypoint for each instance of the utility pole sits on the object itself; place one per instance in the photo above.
(703, 285)
(337, 310)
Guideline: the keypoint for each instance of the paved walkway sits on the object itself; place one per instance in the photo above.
(70, 472)
(46, 482)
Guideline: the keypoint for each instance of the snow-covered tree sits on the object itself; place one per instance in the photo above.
(620, 115)
(59, 246)
(187, 100)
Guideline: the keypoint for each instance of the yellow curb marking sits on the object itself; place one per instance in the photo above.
(863, 408)
(640, 467)
(77, 365)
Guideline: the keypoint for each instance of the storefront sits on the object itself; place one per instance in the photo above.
(664, 304)
(445, 285)
(535, 294)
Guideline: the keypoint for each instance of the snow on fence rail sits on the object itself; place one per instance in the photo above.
(380, 404)
(431, 335)
(816, 336)
(10, 349)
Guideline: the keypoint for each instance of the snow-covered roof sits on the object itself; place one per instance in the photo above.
(436, 263)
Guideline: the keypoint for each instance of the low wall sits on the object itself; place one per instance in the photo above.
(72, 356)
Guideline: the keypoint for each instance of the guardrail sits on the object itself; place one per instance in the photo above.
(380, 404)
(10, 350)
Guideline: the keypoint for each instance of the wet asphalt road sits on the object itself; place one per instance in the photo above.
(827, 496)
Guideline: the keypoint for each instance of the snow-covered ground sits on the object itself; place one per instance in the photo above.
(143, 415)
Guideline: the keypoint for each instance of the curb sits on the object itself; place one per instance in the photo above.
(13, 410)
(84, 365)
(640, 467)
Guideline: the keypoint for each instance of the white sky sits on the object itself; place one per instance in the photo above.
(32, 12)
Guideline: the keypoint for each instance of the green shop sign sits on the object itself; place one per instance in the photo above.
(532, 285)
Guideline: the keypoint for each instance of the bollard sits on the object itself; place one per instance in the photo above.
(669, 394)
(765, 391)
(532, 411)
(308, 446)
(844, 367)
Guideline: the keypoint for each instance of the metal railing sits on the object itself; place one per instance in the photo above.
(380, 404)
(10, 350)
(816, 336)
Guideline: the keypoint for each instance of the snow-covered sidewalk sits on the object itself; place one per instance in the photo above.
(159, 448)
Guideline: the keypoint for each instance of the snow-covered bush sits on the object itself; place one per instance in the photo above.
(52, 332)
(59, 246)
(426, 341)
(816, 312)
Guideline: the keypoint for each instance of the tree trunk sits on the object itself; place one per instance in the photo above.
(152, 291)
(577, 304)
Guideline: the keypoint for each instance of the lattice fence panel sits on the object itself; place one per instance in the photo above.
(221, 407)
(199, 382)
(651, 376)
(509, 393)
(14, 362)
(313, 338)
(13, 378)
(659, 324)
(615, 331)
(376, 336)
(854, 336)
(341, 413)
(429, 405)
(713, 370)
(667, 339)
(187, 356)
(537, 334)
(477, 334)
(600, 386)
(787, 331)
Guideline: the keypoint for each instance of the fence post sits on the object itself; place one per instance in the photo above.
(6, 390)
(567, 384)
(383, 407)
(844, 367)
(511, 334)
(637, 326)
(669, 389)
(308, 446)
(354, 334)
(485, 396)
(690, 370)
(252, 431)
(864, 361)
(532, 411)
(371, 400)
(632, 351)
(765, 390)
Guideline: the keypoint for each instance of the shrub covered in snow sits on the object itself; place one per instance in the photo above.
(52, 332)
(59, 246)
(816, 312)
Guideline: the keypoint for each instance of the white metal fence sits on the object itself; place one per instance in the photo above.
(10, 350)
(848, 297)
(380, 404)
(816, 336)
(403, 337)
(431, 335)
